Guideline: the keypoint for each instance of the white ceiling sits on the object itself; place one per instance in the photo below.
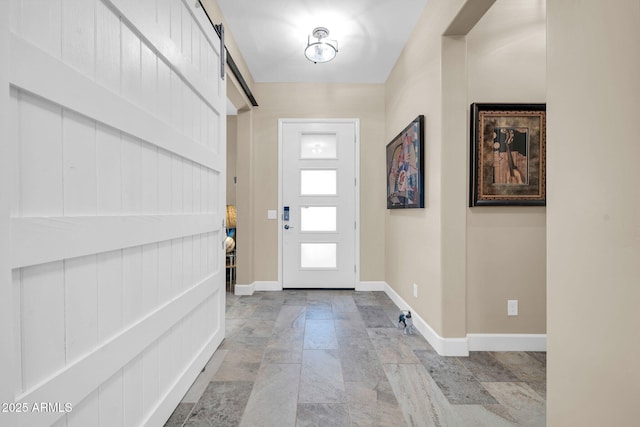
(272, 36)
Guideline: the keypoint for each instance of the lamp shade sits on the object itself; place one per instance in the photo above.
(320, 52)
(322, 49)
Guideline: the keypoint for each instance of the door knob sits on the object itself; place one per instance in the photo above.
(287, 226)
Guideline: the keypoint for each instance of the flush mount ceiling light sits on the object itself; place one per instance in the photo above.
(321, 50)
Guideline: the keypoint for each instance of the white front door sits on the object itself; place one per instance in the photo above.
(318, 222)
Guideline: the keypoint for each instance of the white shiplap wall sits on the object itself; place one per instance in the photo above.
(116, 195)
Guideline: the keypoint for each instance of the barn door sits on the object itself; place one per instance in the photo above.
(114, 288)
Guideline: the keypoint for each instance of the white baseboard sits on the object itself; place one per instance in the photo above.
(370, 286)
(275, 286)
(267, 286)
(444, 346)
(255, 287)
(507, 342)
(472, 342)
(243, 289)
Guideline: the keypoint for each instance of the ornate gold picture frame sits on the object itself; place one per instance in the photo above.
(508, 155)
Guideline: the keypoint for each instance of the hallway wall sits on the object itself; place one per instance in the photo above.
(299, 100)
(463, 286)
(414, 236)
(243, 130)
(593, 213)
(506, 246)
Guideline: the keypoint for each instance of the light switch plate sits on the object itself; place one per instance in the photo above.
(272, 214)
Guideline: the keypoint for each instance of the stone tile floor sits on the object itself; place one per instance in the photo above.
(337, 358)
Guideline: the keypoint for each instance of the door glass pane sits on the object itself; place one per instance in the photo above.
(318, 255)
(318, 146)
(318, 218)
(316, 182)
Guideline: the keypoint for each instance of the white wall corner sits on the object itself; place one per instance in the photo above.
(370, 286)
(244, 289)
(444, 346)
(507, 342)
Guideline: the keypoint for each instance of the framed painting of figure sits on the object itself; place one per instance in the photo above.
(508, 155)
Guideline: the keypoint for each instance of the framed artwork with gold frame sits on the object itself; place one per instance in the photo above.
(508, 155)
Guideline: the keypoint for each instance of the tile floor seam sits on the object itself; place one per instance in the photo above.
(300, 376)
(335, 331)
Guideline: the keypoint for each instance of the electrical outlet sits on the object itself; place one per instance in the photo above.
(415, 290)
(512, 307)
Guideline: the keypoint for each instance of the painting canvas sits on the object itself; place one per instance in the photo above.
(405, 163)
(507, 154)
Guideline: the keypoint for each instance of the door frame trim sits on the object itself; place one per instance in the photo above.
(356, 123)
